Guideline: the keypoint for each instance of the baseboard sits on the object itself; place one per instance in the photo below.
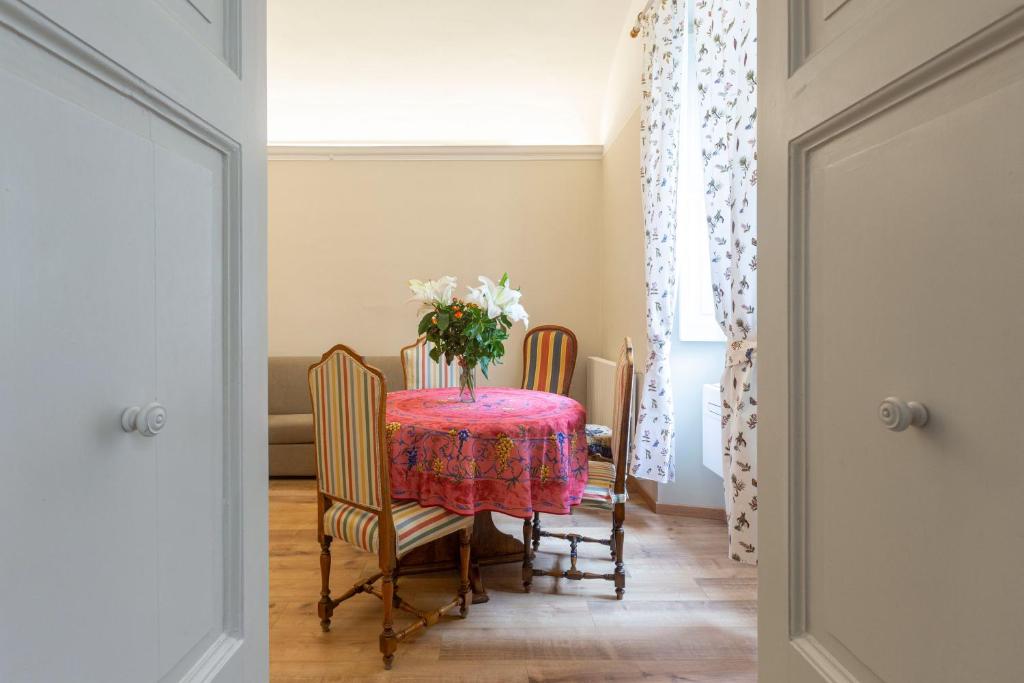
(717, 514)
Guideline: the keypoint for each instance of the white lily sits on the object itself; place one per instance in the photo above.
(430, 292)
(516, 312)
(499, 299)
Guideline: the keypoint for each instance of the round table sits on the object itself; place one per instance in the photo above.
(512, 451)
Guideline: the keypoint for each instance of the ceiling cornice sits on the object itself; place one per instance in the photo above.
(285, 152)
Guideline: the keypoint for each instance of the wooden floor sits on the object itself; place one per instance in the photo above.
(689, 613)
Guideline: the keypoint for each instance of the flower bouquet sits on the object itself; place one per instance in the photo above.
(471, 330)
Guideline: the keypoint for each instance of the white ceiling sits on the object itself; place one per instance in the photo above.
(440, 72)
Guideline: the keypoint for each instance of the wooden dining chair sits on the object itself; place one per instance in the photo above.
(549, 359)
(354, 493)
(606, 490)
(423, 372)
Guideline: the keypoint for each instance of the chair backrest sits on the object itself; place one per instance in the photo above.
(349, 403)
(422, 372)
(622, 417)
(549, 358)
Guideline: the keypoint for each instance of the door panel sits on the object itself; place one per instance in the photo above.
(133, 270)
(211, 22)
(891, 238)
(76, 225)
(909, 294)
(190, 452)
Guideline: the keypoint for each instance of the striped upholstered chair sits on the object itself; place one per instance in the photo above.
(423, 372)
(606, 490)
(354, 493)
(549, 358)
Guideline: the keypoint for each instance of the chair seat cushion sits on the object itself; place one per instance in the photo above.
(600, 489)
(296, 428)
(599, 441)
(414, 525)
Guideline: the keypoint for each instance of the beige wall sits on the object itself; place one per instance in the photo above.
(622, 244)
(345, 236)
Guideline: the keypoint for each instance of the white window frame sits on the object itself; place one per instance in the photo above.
(695, 302)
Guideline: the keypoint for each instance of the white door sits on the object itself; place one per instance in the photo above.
(891, 195)
(132, 273)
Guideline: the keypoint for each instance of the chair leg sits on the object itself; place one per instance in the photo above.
(464, 536)
(388, 642)
(618, 537)
(536, 532)
(527, 555)
(325, 608)
(395, 600)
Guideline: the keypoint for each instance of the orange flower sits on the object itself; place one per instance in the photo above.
(458, 314)
(434, 320)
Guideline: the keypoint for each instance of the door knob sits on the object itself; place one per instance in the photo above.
(148, 420)
(897, 414)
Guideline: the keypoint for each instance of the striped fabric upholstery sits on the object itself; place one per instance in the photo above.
(600, 490)
(414, 525)
(421, 372)
(347, 401)
(549, 357)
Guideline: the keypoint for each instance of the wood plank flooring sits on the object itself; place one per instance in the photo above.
(689, 614)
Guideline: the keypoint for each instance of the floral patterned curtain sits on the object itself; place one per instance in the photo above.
(725, 34)
(663, 32)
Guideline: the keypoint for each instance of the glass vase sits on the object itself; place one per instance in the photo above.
(467, 382)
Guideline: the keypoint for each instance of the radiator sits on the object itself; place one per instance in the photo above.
(711, 427)
(601, 390)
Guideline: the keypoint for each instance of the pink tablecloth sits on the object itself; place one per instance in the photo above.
(513, 451)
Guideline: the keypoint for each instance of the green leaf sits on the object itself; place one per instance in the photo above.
(435, 354)
(425, 322)
(443, 318)
(483, 366)
(504, 279)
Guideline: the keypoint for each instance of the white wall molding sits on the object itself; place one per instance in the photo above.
(284, 152)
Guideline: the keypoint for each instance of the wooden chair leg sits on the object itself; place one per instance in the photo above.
(464, 536)
(325, 608)
(618, 537)
(536, 532)
(388, 642)
(527, 555)
(395, 600)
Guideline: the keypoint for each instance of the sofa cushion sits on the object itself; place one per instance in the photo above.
(292, 460)
(288, 386)
(291, 428)
(391, 367)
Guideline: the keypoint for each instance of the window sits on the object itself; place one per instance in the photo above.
(696, 313)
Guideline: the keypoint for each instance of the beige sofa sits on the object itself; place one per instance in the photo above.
(291, 420)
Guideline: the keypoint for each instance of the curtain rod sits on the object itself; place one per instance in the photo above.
(635, 31)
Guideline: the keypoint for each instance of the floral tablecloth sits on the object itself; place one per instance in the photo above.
(513, 451)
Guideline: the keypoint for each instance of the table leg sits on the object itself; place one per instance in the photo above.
(476, 582)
